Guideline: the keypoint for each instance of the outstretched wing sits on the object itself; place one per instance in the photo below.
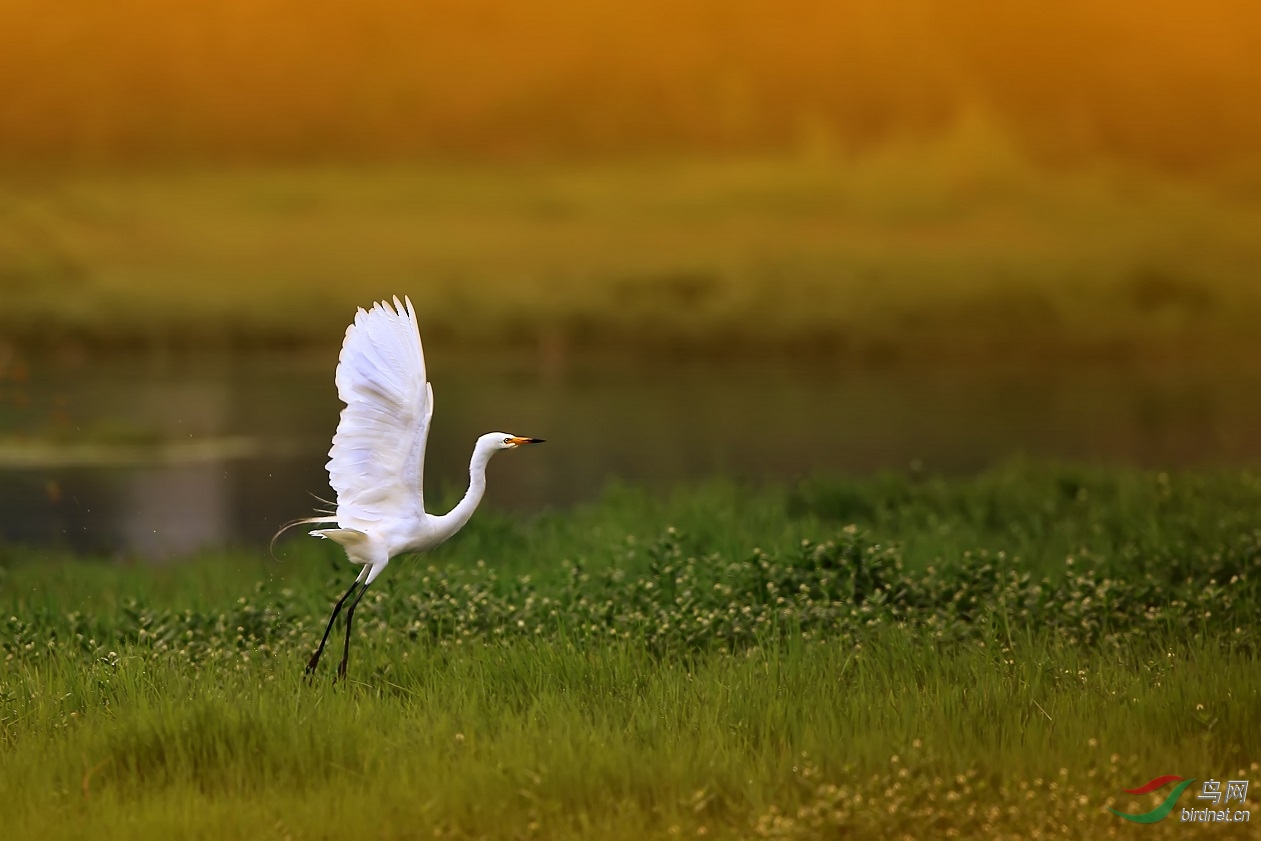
(378, 455)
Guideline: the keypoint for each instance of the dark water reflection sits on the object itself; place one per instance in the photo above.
(259, 429)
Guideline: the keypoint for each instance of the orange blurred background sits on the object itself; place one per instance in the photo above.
(889, 233)
(1168, 84)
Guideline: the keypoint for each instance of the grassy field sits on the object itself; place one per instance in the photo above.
(945, 248)
(899, 656)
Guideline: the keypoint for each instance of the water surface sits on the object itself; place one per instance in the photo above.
(157, 456)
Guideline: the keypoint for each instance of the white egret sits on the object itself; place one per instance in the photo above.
(377, 460)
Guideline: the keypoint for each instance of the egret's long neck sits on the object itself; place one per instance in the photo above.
(454, 520)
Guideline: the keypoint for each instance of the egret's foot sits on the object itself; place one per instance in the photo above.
(310, 666)
(341, 669)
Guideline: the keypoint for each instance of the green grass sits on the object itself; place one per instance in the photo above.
(901, 656)
(954, 247)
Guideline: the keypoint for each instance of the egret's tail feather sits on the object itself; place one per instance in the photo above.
(305, 521)
(332, 506)
(356, 543)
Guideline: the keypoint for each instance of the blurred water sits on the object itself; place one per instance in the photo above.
(243, 439)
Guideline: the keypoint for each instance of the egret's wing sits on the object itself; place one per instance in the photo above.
(378, 453)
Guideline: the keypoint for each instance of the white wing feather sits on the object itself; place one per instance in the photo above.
(377, 460)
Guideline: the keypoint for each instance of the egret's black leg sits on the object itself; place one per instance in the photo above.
(315, 658)
(350, 614)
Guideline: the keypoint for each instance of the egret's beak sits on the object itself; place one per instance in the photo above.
(519, 441)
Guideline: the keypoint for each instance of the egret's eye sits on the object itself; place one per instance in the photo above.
(507, 440)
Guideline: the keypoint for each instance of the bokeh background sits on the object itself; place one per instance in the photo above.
(757, 239)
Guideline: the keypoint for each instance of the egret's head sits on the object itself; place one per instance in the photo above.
(505, 441)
